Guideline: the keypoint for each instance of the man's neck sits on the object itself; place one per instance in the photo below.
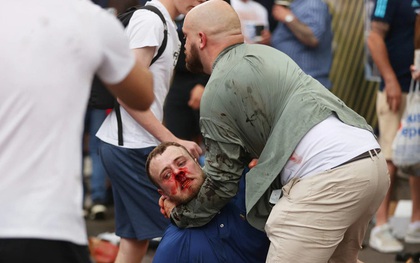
(214, 55)
(170, 7)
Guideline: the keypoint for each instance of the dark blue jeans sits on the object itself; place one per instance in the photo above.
(93, 121)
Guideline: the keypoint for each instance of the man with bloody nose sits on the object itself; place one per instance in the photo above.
(175, 172)
(228, 237)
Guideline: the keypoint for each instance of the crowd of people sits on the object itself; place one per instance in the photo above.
(234, 148)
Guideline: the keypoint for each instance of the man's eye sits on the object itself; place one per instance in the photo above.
(181, 163)
(167, 175)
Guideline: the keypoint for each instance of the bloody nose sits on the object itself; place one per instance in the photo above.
(181, 177)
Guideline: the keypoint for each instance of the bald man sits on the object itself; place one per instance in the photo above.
(320, 175)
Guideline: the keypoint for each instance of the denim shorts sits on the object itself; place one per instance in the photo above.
(137, 212)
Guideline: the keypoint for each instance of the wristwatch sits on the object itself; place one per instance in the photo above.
(289, 18)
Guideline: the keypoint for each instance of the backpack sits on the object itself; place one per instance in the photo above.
(100, 97)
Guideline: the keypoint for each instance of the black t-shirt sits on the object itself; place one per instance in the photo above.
(400, 16)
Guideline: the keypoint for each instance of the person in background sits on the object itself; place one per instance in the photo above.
(320, 175)
(137, 217)
(390, 42)
(254, 21)
(268, 5)
(49, 58)
(96, 191)
(97, 194)
(228, 237)
(304, 33)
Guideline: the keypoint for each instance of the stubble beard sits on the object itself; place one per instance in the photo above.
(193, 61)
(192, 191)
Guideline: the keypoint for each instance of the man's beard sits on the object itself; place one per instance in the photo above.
(193, 61)
(179, 200)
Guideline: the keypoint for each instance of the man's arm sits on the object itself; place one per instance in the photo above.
(379, 52)
(301, 31)
(147, 119)
(198, 90)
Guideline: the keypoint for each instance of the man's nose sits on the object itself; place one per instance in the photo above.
(179, 175)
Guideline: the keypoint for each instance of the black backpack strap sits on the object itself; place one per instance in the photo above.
(165, 31)
(125, 18)
(119, 123)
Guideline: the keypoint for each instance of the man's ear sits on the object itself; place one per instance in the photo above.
(203, 40)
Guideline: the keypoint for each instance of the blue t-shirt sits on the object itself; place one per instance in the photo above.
(228, 237)
(400, 16)
(315, 62)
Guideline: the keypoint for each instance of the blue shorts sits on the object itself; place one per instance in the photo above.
(137, 212)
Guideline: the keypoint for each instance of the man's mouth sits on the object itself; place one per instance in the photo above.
(186, 184)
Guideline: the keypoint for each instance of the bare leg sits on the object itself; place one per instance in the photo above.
(412, 235)
(132, 250)
(415, 197)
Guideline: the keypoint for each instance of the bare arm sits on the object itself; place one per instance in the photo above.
(377, 47)
(148, 120)
(300, 30)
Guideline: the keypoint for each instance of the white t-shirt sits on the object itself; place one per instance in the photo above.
(146, 30)
(251, 14)
(49, 53)
(327, 145)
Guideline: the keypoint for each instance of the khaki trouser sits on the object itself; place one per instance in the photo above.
(388, 122)
(323, 218)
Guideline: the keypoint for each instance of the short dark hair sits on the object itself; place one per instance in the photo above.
(159, 150)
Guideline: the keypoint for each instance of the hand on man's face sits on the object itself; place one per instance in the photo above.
(166, 206)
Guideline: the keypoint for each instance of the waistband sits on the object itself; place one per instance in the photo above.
(367, 154)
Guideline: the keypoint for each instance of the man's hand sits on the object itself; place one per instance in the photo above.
(280, 12)
(192, 147)
(195, 96)
(265, 37)
(166, 206)
(415, 73)
(393, 95)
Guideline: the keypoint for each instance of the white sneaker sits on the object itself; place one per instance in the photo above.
(382, 240)
(110, 237)
(97, 212)
(412, 235)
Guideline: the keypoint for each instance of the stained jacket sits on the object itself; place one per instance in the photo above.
(258, 103)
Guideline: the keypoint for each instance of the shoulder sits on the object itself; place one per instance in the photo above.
(146, 16)
(384, 10)
(311, 6)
